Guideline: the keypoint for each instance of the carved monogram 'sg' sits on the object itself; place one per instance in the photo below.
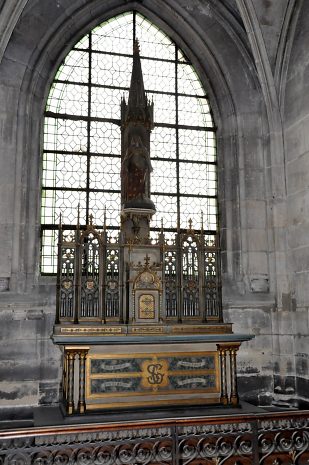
(155, 376)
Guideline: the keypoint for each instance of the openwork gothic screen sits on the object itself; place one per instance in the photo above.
(82, 137)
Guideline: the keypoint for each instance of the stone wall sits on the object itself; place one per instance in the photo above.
(296, 124)
(29, 363)
(262, 198)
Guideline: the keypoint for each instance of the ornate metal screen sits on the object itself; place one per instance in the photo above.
(82, 143)
(88, 281)
(192, 277)
(91, 278)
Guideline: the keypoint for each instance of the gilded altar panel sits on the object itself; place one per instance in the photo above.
(145, 376)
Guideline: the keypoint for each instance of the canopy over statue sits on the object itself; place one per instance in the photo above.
(137, 123)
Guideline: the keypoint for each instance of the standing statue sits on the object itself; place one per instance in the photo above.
(136, 169)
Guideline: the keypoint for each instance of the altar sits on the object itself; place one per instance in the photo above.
(139, 319)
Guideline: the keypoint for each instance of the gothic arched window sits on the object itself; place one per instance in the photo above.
(82, 141)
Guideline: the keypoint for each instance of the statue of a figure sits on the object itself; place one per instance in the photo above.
(136, 169)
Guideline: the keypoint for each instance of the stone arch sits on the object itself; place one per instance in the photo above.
(217, 49)
(289, 26)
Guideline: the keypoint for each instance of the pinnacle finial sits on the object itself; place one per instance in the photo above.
(147, 260)
(78, 215)
(104, 226)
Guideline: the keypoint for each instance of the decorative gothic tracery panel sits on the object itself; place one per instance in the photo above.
(90, 296)
(171, 286)
(190, 277)
(112, 284)
(66, 281)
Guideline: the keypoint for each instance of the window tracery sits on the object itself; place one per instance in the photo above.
(82, 140)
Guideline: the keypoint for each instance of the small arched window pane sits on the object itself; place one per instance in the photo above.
(82, 137)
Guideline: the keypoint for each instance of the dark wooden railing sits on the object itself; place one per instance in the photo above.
(266, 439)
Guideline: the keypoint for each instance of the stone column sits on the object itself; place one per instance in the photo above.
(82, 353)
(70, 356)
(234, 399)
(65, 376)
(222, 356)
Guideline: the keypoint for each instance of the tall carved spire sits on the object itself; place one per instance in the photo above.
(136, 125)
(138, 109)
(137, 96)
